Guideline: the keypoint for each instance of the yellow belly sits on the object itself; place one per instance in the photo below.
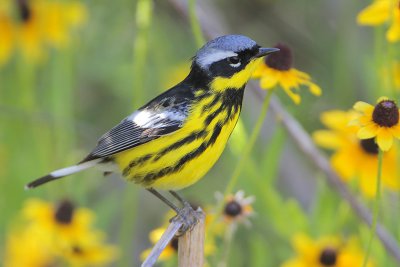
(148, 169)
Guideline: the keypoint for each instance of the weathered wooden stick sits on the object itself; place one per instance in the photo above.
(162, 243)
(191, 245)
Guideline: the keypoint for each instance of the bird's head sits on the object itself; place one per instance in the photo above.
(229, 61)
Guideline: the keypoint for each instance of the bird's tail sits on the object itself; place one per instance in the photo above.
(62, 173)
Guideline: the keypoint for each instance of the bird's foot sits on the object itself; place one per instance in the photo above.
(188, 217)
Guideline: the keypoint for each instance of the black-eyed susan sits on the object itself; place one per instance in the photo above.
(236, 208)
(68, 222)
(326, 252)
(89, 250)
(380, 122)
(354, 158)
(32, 26)
(381, 12)
(50, 235)
(277, 69)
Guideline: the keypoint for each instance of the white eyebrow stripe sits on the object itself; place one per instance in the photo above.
(216, 55)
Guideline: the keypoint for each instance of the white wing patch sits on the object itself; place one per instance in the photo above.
(216, 55)
(150, 119)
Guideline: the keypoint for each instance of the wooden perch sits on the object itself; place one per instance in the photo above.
(190, 245)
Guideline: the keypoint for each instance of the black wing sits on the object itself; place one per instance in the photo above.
(163, 115)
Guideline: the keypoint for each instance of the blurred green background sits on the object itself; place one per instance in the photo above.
(52, 113)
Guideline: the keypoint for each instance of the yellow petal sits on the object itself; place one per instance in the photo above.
(327, 139)
(375, 14)
(368, 184)
(365, 119)
(382, 98)
(335, 119)
(395, 131)
(259, 71)
(300, 74)
(6, 43)
(145, 254)
(295, 97)
(367, 131)
(393, 33)
(268, 82)
(156, 234)
(302, 243)
(384, 139)
(362, 106)
(342, 163)
(315, 89)
(77, 13)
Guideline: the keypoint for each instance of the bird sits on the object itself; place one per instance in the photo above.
(174, 140)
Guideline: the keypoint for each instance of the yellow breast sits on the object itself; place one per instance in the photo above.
(181, 158)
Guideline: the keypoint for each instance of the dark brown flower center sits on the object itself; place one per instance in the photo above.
(233, 208)
(281, 60)
(24, 10)
(77, 250)
(386, 113)
(64, 212)
(328, 257)
(174, 243)
(369, 146)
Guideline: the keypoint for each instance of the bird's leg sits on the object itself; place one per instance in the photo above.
(163, 199)
(186, 214)
(179, 198)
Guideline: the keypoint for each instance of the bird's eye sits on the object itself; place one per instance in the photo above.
(234, 61)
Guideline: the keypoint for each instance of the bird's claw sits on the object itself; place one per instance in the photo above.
(188, 217)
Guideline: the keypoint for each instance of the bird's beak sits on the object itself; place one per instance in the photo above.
(265, 51)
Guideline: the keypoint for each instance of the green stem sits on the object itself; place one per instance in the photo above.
(195, 24)
(228, 238)
(144, 16)
(253, 138)
(375, 208)
(128, 218)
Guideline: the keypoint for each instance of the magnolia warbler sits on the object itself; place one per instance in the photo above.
(174, 140)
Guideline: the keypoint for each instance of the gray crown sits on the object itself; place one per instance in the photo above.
(226, 43)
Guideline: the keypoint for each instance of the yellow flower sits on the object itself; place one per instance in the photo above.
(52, 234)
(380, 122)
(29, 246)
(325, 252)
(354, 158)
(64, 220)
(277, 69)
(89, 250)
(34, 25)
(380, 12)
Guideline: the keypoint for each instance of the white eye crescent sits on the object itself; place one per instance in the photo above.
(234, 61)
